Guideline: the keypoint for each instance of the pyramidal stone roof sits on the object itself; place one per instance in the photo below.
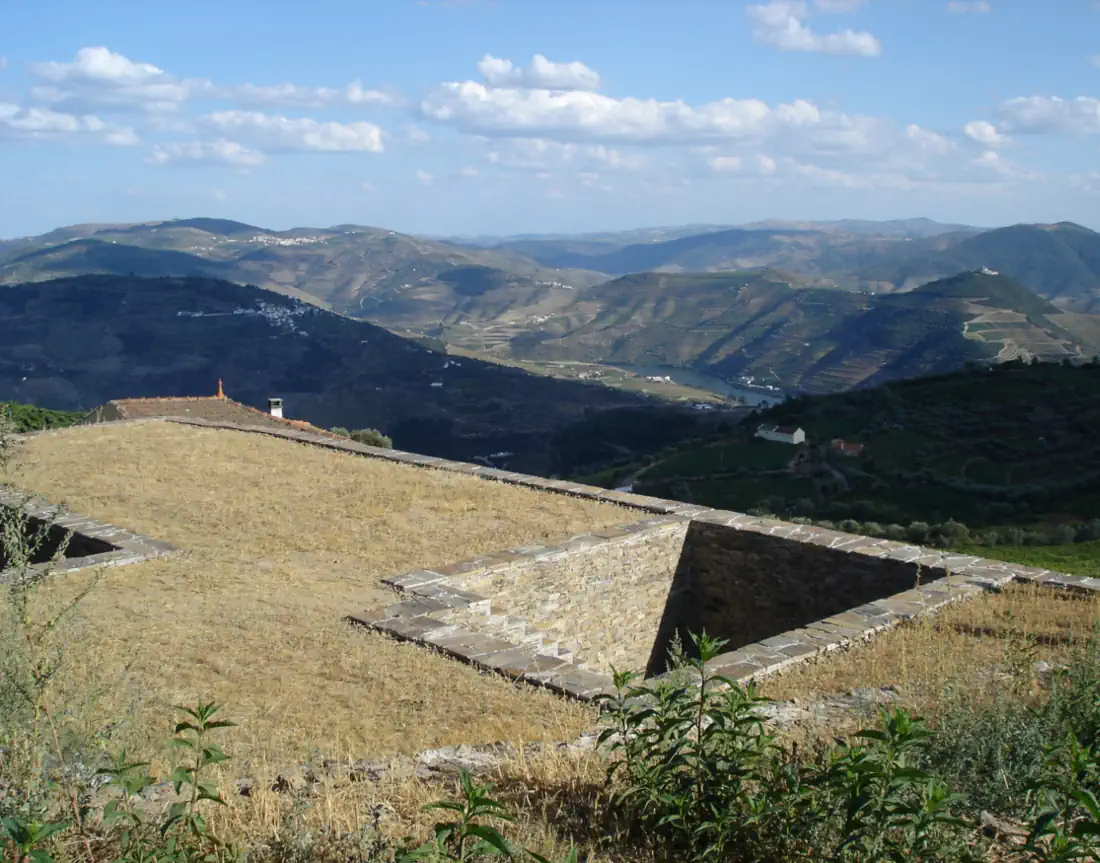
(217, 408)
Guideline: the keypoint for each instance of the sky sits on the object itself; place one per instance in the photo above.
(500, 117)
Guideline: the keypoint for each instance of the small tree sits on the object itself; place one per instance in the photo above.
(372, 437)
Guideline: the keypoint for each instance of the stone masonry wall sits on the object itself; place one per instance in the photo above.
(747, 586)
(598, 602)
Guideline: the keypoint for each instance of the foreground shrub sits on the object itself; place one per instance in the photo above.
(700, 776)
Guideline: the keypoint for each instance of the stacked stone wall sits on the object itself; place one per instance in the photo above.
(599, 601)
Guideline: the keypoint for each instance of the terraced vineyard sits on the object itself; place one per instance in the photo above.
(1007, 447)
(767, 324)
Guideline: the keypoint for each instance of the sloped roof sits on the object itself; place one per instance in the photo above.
(212, 408)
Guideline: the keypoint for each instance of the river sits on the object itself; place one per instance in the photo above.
(719, 386)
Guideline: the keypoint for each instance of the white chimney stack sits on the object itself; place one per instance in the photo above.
(275, 407)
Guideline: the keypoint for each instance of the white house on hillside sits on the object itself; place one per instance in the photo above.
(781, 434)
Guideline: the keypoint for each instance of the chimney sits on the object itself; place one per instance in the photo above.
(275, 407)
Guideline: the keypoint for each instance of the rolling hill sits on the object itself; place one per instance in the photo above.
(74, 343)
(387, 277)
(1060, 262)
(763, 324)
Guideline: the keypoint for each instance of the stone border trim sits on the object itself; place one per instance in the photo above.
(128, 546)
(422, 616)
(952, 578)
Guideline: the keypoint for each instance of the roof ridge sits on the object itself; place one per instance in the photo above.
(301, 425)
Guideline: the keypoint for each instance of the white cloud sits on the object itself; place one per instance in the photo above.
(993, 161)
(985, 133)
(368, 187)
(1051, 114)
(274, 133)
(927, 141)
(838, 6)
(98, 64)
(294, 96)
(613, 158)
(591, 116)
(1094, 59)
(961, 7)
(36, 123)
(543, 154)
(757, 164)
(3, 61)
(100, 77)
(424, 177)
(781, 24)
(219, 152)
(542, 74)
(469, 171)
(725, 163)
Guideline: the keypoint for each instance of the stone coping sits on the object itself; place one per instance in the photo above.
(945, 577)
(127, 546)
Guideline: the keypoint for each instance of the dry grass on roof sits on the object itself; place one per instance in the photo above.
(280, 541)
(962, 647)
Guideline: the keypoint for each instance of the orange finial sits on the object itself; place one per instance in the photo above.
(221, 394)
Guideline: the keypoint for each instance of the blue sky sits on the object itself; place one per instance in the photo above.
(509, 116)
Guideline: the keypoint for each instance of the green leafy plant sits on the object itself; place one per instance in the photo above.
(1066, 804)
(696, 771)
(26, 838)
(467, 836)
(893, 810)
(183, 834)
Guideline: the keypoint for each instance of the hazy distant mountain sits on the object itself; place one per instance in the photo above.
(1060, 262)
(399, 280)
(553, 297)
(894, 228)
(759, 324)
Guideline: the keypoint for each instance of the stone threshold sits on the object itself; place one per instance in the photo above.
(127, 546)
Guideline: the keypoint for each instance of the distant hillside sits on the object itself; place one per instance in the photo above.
(894, 228)
(773, 308)
(387, 277)
(759, 323)
(77, 342)
(1009, 451)
(1060, 262)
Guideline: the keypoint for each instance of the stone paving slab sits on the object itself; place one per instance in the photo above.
(127, 546)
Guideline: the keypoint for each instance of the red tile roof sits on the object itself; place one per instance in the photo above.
(217, 408)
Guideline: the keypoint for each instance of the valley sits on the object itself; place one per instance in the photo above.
(74, 343)
(801, 306)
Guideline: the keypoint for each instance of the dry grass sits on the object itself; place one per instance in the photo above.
(953, 648)
(280, 541)
(556, 799)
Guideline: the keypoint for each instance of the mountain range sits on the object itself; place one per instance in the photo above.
(74, 343)
(763, 325)
(812, 306)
